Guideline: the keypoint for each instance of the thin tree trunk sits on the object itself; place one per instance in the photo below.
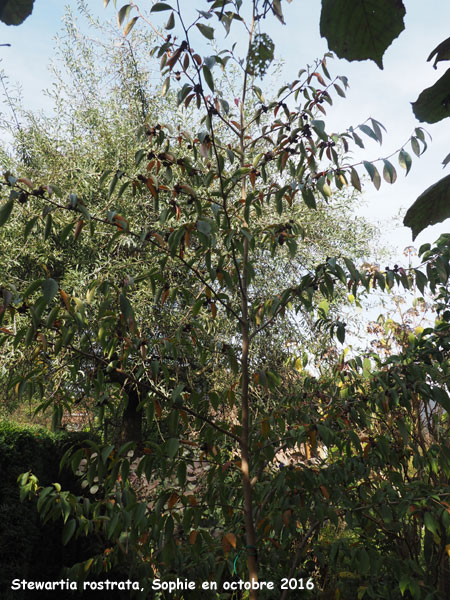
(252, 562)
(250, 534)
(132, 416)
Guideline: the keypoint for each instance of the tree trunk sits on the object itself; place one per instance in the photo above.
(131, 430)
(131, 418)
(252, 557)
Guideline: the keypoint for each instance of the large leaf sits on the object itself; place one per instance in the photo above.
(68, 531)
(14, 12)
(5, 211)
(433, 104)
(431, 207)
(441, 52)
(361, 29)
(49, 289)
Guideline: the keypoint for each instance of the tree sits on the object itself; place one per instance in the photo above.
(56, 149)
(230, 480)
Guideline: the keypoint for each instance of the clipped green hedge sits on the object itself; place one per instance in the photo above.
(28, 549)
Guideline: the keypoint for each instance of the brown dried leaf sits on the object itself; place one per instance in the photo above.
(228, 542)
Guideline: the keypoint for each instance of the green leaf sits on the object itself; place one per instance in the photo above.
(42, 496)
(431, 207)
(361, 29)
(442, 398)
(373, 174)
(125, 448)
(415, 146)
(431, 523)
(324, 307)
(112, 185)
(319, 128)
(358, 140)
(364, 561)
(49, 289)
(339, 90)
(106, 452)
(171, 447)
(355, 181)
(324, 188)
(123, 13)
(5, 211)
(340, 332)
(403, 584)
(170, 22)
(368, 131)
(104, 176)
(442, 52)
(421, 280)
(446, 160)
(14, 12)
(277, 11)
(48, 226)
(405, 160)
(68, 531)
(125, 307)
(362, 591)
(34, 285)
(160, 6)
(352, 269)
(377, 127)
(208, 78)
(165, 86)
(205, 30)
(433, 104)
(204, 227)
(130, 26)
(389, 172)
(308, 197)
(29, 227)
(367, 367)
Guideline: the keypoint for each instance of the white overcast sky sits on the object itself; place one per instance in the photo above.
(381, 94)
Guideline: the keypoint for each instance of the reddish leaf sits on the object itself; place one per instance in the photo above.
(164, 296)
(287, 515)
(193, 537)
(152, 188)
(65, 299)
(26, 181)
(325, 492)
(78, 228)
(158, 410)
(173, 500)
(4, 330)
(265, 428)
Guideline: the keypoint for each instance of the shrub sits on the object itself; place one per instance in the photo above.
(28, 549)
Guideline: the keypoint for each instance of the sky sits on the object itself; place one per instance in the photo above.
(382, 94)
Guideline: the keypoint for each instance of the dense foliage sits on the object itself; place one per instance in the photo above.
(173, 278)
(23, 554)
